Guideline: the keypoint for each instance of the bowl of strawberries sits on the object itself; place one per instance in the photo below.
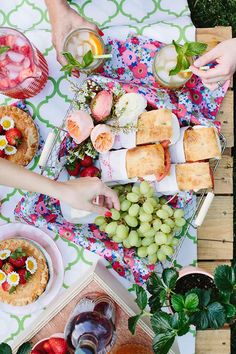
(55, 344)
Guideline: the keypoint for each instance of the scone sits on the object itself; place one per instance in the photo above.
(29, 142)
(23, 272)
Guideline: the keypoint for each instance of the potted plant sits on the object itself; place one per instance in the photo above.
(193, 297)
(25, 348)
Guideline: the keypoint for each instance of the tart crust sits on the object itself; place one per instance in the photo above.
(30, 141)
(29, 292)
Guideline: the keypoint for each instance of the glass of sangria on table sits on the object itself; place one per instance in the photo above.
(84, 50)
(23, 68)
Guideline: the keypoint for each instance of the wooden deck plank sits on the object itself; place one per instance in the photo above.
(218, 224)
(210, 266)
(213, 341)
(224, 176)
(214, 250)
(226, 117)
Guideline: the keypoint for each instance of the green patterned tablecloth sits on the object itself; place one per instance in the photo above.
(161, 19)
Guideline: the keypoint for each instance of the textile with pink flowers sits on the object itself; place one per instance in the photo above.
(130, 70)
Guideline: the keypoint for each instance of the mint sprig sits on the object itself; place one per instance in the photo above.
(87, 60)
(189, 49)
(4, 49)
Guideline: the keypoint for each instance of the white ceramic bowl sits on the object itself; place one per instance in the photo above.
(54, 260)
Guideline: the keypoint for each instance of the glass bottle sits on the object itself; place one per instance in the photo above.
(91, 326)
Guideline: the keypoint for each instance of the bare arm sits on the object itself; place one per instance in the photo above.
(77, 193)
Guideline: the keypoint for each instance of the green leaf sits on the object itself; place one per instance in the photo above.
(87, 59)
(161, 322)
(178, 67)
(25, 348)
(132, 322)
(12, 290)
(195, 48)
(170, 276)
(216, 315)
(230, 310)
(199, 319)
(233, 298)
(141, 299)
(4, 49)
(154, 303)
(204, 296)
(5, 349)
(180, 322)
(191, 302)
(154, 284)
(185, 63)
(162, 342)
(224, 278)
(177, 302)
(179, 49)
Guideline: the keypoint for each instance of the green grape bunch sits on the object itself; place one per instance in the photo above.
(144, 221)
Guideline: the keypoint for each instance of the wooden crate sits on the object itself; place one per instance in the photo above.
(215, 236)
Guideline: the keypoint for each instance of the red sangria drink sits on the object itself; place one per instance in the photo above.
(91, 328)
(23, 68)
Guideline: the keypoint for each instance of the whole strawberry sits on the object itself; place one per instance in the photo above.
(58, 345)
(1, 263)
(101, 105)
(91, 171)
(24, 276)
(18, 258)
(2, 153)
(6, 286)
(73, 168)
(87, 161)
(8, 268)
(14, 137)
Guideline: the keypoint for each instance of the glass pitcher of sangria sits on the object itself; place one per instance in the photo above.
(23, 68)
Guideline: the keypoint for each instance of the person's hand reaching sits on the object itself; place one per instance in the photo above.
(63, 22)
(82, 192)
(225, 56)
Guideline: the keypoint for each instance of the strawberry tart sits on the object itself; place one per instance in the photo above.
(23, 272)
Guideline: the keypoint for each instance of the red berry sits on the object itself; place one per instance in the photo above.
(47, 347)
(18, 262)
(1, 129)
(14, 136)
(73, 169)
(36, 351)
(8, 268)
(1, 263)
(87, 161)
(2, 154)
(108, 214)
(91, 171)
(6, 286)
(58, 345)
(22, 273)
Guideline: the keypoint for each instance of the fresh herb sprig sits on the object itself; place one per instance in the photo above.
(4, 49)
(87, 60)
(189, 49)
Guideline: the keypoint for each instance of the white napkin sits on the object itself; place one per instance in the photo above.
(169, 184)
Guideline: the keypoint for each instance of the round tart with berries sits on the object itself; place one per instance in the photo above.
(18, 135)
(23, 272)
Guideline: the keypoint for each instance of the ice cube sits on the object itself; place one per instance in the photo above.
(169, 53)
(16, 57)
(164, 75)
(13, 75)
(80, 51)
(86, 47)
(26, 63)
(170, 65)
(12, 67)
(20, 42)
(84, 36)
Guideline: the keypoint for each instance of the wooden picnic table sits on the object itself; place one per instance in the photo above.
(215, 236)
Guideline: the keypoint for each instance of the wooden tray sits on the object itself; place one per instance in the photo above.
(99, 280)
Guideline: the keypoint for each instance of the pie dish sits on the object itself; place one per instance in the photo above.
(37, 280)
(30, 139)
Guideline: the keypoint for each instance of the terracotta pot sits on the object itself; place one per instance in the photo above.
(193, 270)
(55, 335)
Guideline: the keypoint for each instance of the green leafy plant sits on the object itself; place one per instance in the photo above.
(4, 49)
(87, 60)
(204, 308)
(25, 348)
(189, 49)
